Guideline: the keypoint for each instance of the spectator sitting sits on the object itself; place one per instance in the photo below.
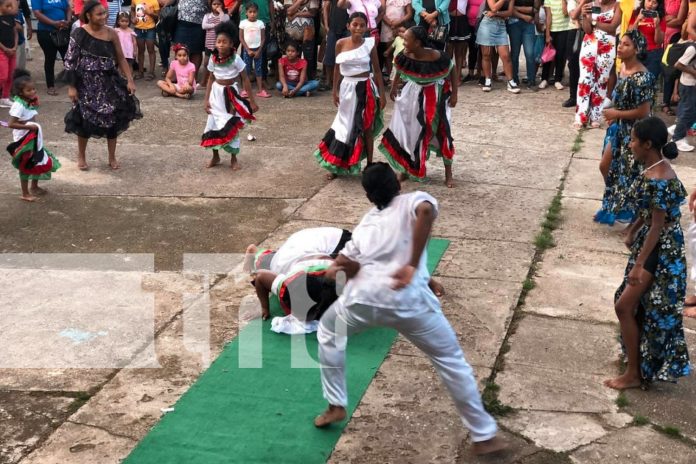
(293, 74)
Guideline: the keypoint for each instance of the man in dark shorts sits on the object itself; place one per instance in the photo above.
(335, 22)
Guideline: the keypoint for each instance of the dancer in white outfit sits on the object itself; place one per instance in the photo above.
(385, 262)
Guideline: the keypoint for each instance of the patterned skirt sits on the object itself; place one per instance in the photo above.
(229, 113)
(31, 159)
(420, 125)
(343, 147)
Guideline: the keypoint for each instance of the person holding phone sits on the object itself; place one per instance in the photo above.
(648, 19)
(597, 57)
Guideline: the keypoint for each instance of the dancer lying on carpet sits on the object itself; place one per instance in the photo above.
(302, 254)
(385, 262)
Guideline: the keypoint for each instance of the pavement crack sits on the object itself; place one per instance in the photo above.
(103, 429)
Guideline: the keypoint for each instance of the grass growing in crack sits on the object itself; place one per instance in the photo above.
(670, 431)
(528, 285)
(577, 143)
(80, 399)
(621, 400)
(491, 401)
(544, 240)
(640, 420)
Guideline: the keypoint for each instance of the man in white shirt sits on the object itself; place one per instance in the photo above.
(686, 111)
(385, 262)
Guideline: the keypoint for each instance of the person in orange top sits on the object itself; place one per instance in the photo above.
(145, 14)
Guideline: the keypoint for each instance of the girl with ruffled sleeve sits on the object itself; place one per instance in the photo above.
(420, 122)
(650, 301)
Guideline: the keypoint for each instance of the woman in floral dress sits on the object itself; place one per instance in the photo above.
(632, 100)
(650, 301)
(104, 103)
(597, 57)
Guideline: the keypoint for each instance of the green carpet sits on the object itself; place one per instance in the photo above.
(241, 415)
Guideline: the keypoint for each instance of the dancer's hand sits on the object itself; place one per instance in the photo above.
(403, 277)
(382, 103)
(72, 94)
(634, 275)
(254, 106)
(393, 92)
(453, 101)
(335, 99)
(207, 106)
(131, 87)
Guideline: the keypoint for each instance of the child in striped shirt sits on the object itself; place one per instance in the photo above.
(216, 16)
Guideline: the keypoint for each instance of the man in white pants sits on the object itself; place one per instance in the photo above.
(385, 262)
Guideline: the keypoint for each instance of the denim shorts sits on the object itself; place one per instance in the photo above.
(257, 62)
(492, 32)
(145, 34)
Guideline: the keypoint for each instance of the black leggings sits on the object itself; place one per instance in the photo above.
(560, 43)
(50, 53)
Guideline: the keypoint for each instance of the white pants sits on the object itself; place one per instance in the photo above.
(429, 330)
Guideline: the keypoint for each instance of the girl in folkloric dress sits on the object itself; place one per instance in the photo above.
(632, 100)
(650, 301)
(227, 110)
(420, 122)
(357, 96)
(597, 58)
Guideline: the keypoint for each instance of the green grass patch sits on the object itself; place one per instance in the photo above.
(670, 431)
(528, 284)
(640, 420)
(622, 401)
(491, 401)
(544, 240)
(80, 399)
(577, 143)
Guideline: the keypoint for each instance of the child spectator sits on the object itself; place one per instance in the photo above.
(29, 157)
(393, 51)
(144, 14)
(252, 36)
(216, 16)
(8, 49)
(686, 111)
(126, 36)
(293, 74)
(181, 77)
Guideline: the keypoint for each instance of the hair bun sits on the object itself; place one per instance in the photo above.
(19, 72)
(670, 150)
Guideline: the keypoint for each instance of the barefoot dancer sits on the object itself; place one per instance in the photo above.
(649, 302)
(227, 110)
(420, 122)
(386, 264)
(29, 157)
(359, 117)
(104, 101)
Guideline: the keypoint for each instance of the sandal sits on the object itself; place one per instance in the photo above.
(52, 91)
(150, 76)
(668, 111)
(138, 76)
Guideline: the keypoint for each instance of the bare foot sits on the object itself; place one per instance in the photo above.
(213, 162)
(235, 166)
(29, 198)
(331, 415)
(252, 249)
(690, 300)
(623, 382)
(265, 314)
(690, 312)
(489, 446)
(114, 165)
(331, 176)
(449, 183)
(436, 287)
(38, 191)
(82, 167)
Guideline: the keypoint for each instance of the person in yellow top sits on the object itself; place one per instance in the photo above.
(145, 14)
(627, 7)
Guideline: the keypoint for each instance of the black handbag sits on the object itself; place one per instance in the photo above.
(168, 17)
(437, 35)
(60, 38)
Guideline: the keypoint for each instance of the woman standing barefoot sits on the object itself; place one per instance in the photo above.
(420, 123)
(359, 117)
(650, 300)
(104, 102)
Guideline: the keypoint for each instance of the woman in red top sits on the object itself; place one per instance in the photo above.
(292, 72)
(648, 18)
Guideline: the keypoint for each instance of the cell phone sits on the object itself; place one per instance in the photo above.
(596, 9)
(649, 13)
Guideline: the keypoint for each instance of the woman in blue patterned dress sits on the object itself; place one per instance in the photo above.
(650, 300)
(632, 99)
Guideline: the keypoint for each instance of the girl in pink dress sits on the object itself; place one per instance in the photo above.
(126, 36)
(180, 80)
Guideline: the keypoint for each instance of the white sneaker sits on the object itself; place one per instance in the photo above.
(670, 129)
(558, 86)
(486, 86)
(683, 145)
(543, 85)
(513, 87)
(5, 103)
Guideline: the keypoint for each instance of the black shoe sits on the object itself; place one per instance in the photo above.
(569, 103)
(482, 80)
